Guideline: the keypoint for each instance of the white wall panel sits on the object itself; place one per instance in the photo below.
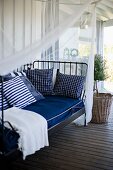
(38, 20)
(27, 22)
(18, 24)
(8, 27)
(1, 48)
(21, 22)
(33, 21)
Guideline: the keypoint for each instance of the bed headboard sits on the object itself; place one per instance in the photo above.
(72, 68)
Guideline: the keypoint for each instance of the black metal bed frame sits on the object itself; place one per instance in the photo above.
(75, 68)
(72, 68)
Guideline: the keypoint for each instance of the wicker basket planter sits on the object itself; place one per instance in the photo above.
(101, 107)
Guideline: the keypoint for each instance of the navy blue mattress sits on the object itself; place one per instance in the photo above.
(55, 108)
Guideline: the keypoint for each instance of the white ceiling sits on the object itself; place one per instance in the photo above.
(104, 8)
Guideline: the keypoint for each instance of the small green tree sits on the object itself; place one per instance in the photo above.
(99, 70)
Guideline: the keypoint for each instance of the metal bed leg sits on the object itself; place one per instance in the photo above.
(85, 120)
(2, 80)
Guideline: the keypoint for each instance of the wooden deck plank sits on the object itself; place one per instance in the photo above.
(74, 148)
(85, 142)
(92, 146)
(81, 156)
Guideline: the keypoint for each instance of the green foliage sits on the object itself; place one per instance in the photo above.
(99, 68)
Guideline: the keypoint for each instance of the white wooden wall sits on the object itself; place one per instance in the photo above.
(21, 22)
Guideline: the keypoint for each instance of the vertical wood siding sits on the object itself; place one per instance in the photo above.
(21, 22)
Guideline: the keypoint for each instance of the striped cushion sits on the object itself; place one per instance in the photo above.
(42, 79)
(69, 85)
(17, 93)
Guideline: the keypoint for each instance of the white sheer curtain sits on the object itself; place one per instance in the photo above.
(90, 72)
(49, 21)
(15, 60)
(51, 33)
(100, 36)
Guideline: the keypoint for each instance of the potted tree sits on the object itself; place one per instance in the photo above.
(101, 101)
(100, 73)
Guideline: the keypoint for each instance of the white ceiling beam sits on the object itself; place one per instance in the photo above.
(107, 3)
(98, 18)
(101, 18)
(101, 13)
(73, 2)
(106, 10)
(78, 2)
(110, 0)
(105, 7)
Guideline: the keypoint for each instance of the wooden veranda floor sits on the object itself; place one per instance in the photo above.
(74, 148)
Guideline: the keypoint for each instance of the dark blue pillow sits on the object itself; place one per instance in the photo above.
(8, 76)
(31, 88)
(42, 79)
(69, 85)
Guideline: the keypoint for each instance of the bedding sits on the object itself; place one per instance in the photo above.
(69, 85)
(42, 79)
(31, 127)
(55, 108)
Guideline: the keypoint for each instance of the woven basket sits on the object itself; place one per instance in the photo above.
(101, 107)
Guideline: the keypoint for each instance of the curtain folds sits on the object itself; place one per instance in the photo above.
(52, 28)
(90, 73)
(49, 21)
(29, 53)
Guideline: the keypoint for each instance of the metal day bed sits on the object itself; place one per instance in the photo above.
(71, 113)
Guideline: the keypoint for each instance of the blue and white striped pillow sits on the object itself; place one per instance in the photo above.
(17, 93)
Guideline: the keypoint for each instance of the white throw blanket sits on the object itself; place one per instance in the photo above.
(31, 127)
